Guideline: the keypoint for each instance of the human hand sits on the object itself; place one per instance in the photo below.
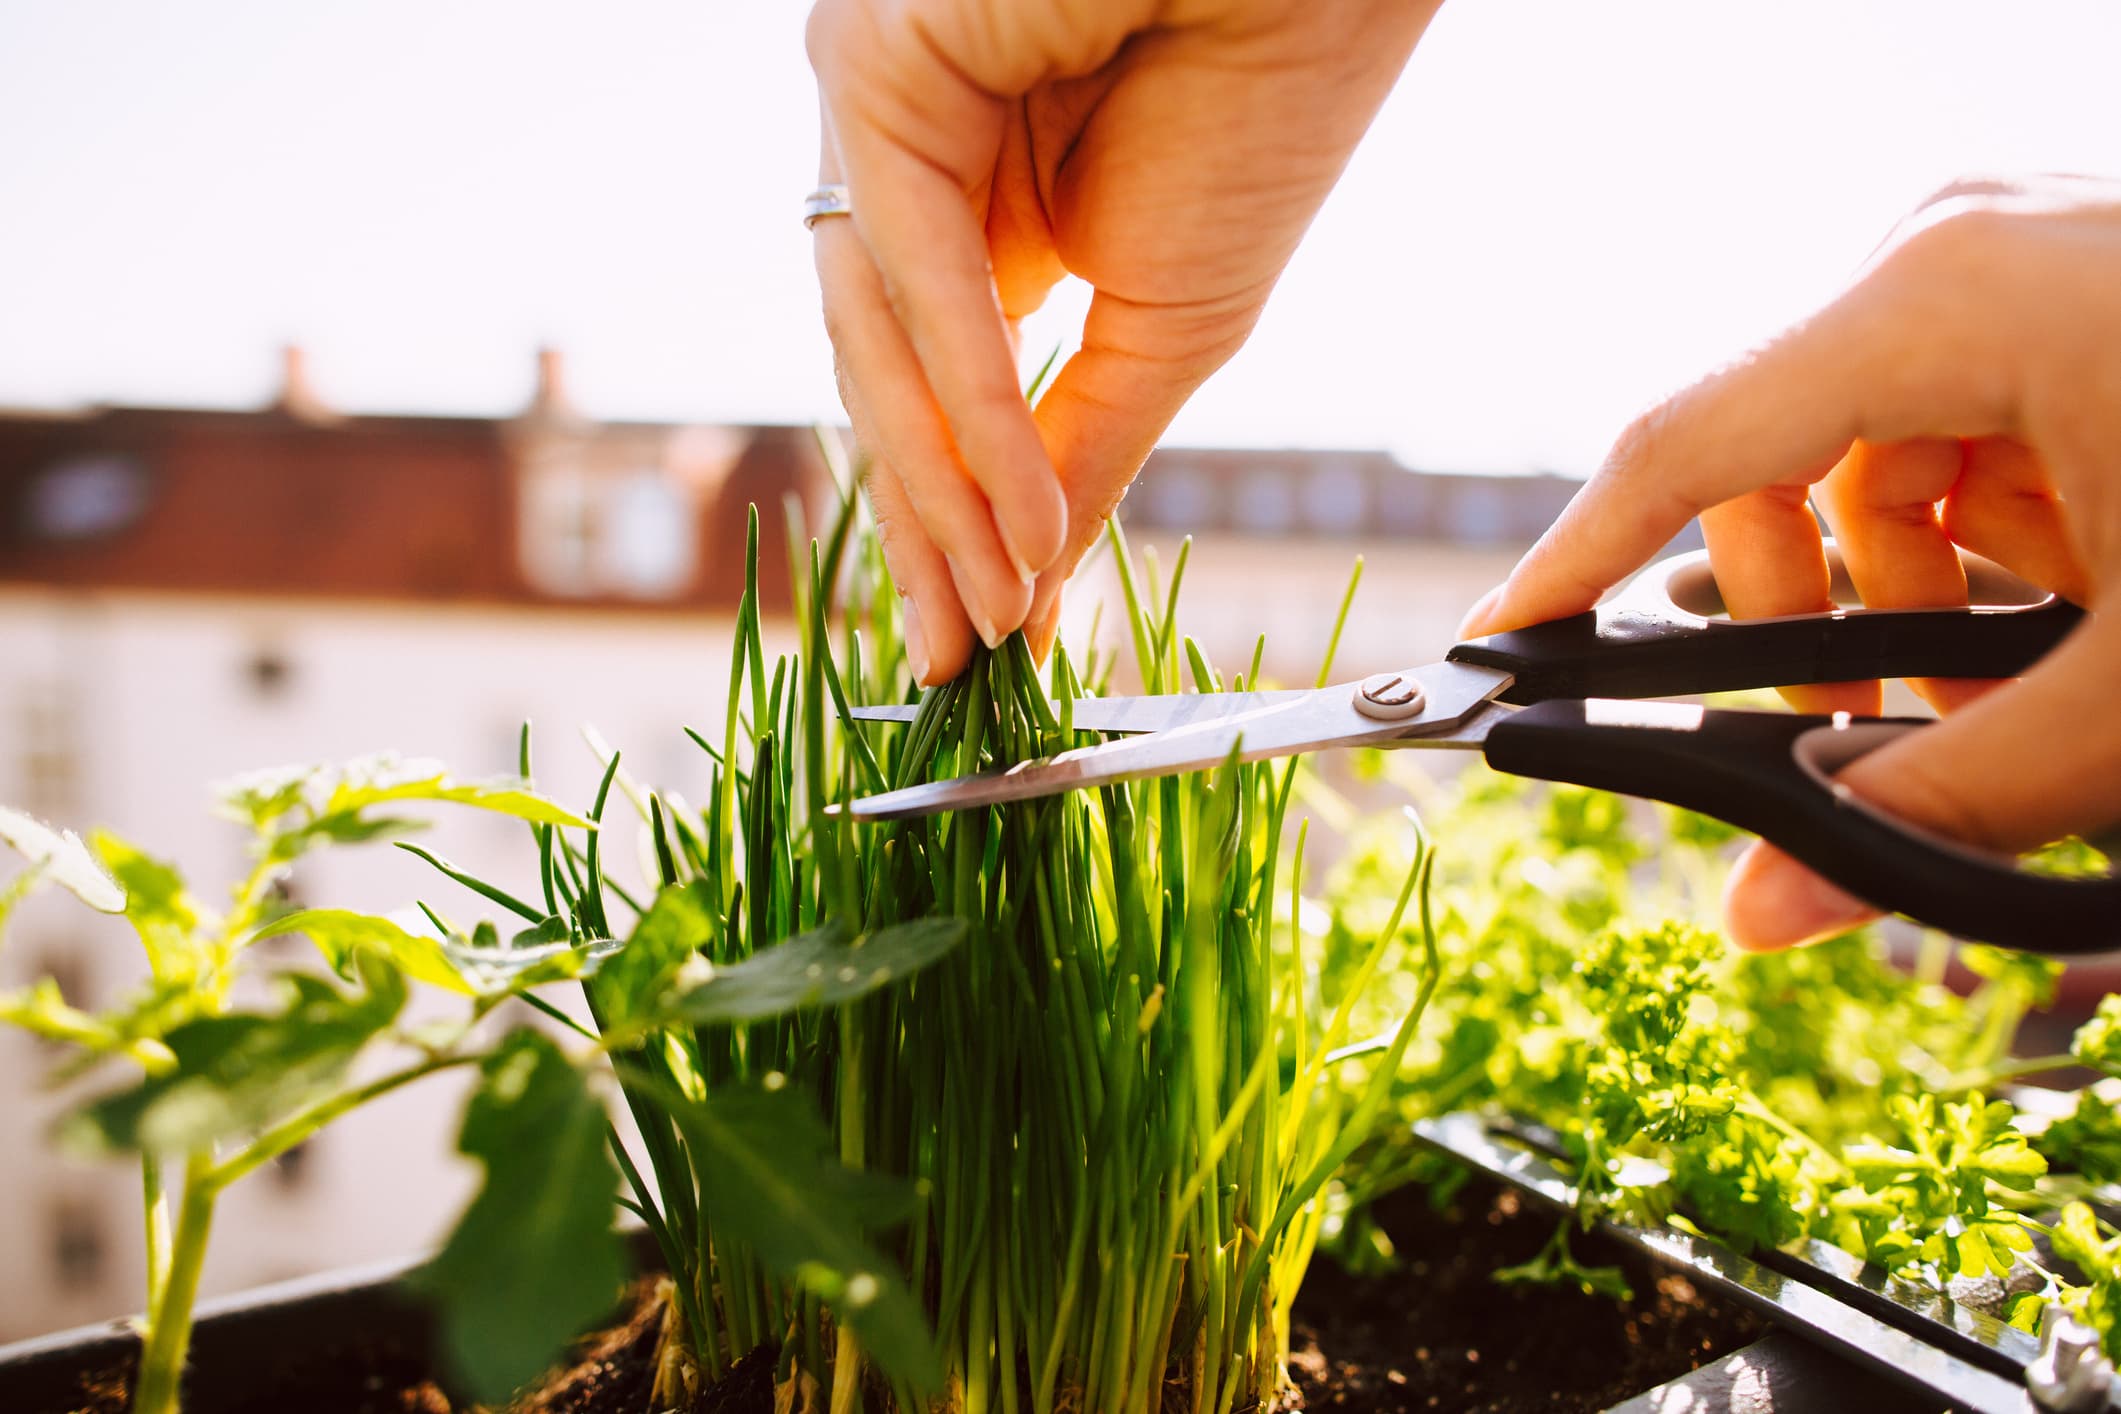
(1171, 154)
(1966, 389)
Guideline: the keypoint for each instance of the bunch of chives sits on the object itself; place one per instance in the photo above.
(1114, 1100)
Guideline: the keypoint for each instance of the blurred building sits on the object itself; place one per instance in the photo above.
(1276, 535)
(186, 595)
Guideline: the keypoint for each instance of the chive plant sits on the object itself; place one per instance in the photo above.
(1112, 1110)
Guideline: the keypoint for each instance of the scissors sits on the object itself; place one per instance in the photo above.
(1562, 701)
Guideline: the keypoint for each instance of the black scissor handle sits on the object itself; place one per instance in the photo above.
(1771, 773)
(1660, 638)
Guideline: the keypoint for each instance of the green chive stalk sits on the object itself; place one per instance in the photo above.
(1113, 1101)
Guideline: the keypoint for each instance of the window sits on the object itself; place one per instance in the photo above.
(85, 497)
(632, 535)
(1178, 496)
(559, 532)
(51, 775)
(79, 1253)
(1335, 496)
(1266, 502)
(268, 671)
(646, 550)
(292, 1170)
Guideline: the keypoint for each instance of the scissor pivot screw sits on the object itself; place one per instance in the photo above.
(1389, 697)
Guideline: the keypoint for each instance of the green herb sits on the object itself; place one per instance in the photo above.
(221, 1091)
(1022, 1109)
(1821, 1093)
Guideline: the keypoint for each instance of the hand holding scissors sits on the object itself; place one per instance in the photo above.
(1562, 701)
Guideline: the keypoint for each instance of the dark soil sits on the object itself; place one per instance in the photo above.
(614, 1369)
(1441, 1333)
(361, 1377)
(1438, 1334)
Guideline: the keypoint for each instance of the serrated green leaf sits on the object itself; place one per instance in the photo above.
(239, 1072)
(60, 856)
(818, 968)
(162, 913)
(553, 929)
(360, 829)
(2078, 1239)
(377, 779)
(633, 981)
(1876, 1165)
(2098, 1041)
(41, 1010)
(777, 1184)
(2009, 1162)
(533, 1261)
(482, 967)
(492, 969)
(257, 798)
(340, 934)
(1974, 1257)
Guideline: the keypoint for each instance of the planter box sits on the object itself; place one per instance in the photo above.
(242, 1346)
(246, 1349)
(269, 1349)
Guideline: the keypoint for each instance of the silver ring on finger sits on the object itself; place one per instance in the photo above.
(830, 200)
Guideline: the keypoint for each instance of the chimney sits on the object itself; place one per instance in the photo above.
(298, 397)
(550, 401)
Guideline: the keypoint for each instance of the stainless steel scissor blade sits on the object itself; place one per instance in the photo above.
(1453, 695)
(1563, 701)
(1122, 715)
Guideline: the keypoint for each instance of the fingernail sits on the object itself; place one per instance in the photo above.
(1043, 627)
(916, 640)
(1772, 901)
(1023, 569)
(975, 604)
(1478, 614)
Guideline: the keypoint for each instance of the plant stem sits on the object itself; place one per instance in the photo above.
(1988, 1077)
(303, 1123)
(156, 1206)
(168, 1334)
(1753, 1107)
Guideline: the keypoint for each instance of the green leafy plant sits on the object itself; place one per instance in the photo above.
(222, 1089)
(1821, 1093)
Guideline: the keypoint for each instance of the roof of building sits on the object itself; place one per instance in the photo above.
(295, 499)
(552, 507)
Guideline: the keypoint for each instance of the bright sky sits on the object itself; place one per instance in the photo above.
(1565, 208)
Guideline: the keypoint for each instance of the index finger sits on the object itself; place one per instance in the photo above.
(916, 215)
(1902, 353)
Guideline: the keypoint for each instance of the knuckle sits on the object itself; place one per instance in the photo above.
(1642, 445)
(821, 35)
(1926, 794)
(1178, 342)
(1954, 246)
(995, 398)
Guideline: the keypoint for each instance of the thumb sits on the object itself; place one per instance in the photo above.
(1114, 397)
(2022, 766)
